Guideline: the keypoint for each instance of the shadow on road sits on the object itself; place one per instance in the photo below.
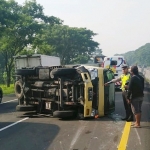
(110, 117)
(27, 135)
(33, 114)
(8, 107)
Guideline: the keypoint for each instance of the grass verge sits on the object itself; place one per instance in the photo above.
(7, 90)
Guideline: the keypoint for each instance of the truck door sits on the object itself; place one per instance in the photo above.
(109, 93)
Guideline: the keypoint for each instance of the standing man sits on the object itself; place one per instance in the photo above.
(124, 78)
(136, 87)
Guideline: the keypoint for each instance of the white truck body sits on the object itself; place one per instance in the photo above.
(24, 61)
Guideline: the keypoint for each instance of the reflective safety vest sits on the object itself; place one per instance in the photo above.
(124, 78)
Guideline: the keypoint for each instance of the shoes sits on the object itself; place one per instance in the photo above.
(130, 119)
(124, 118)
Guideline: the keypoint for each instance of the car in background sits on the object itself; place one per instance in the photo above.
(115, 63)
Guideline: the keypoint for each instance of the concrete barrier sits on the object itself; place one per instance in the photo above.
(146, 74)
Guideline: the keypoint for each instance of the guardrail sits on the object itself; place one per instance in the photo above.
(146, 74)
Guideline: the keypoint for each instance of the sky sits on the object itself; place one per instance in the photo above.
(121, 25)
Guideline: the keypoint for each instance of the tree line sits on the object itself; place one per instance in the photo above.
(25, 29)
(140, 56)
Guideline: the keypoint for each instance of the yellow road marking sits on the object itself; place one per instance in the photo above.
(125, 135)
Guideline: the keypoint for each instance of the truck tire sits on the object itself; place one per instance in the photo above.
(64, 114)
(62, 72)
(25, 108)
(19, 89)
(25, 72)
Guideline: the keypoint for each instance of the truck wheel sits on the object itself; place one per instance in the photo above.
(62, 72)
(21, 101)
(64, 114)
(25, 72)
(18, 89)
(25, 108)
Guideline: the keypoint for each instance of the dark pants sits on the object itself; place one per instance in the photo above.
(126, 105)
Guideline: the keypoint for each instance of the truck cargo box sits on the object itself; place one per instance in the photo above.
(29, 61)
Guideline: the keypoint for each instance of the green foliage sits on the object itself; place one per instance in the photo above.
(81, 59)
(5, 76)
(25, 29)
(68, 43)
(7, 90)
(19, 26)
(141, 56)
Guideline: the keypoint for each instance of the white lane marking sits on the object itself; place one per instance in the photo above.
(13, 124)
(77, 135)
(8, 101)
(138, 136)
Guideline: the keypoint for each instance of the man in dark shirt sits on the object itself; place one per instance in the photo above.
(142, 80)
(135, 92)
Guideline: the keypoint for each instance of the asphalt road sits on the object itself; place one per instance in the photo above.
(28, 131)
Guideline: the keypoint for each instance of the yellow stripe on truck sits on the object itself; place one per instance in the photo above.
(87, 102)
(101, 92)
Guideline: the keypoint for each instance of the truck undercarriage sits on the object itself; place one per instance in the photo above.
(51, 88)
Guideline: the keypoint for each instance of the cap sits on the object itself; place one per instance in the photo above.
(125, 66)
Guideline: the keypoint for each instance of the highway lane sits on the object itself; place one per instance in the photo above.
(139, 138)
(43, 132)
(8, 98)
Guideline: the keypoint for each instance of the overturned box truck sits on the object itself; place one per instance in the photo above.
(44, 86)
